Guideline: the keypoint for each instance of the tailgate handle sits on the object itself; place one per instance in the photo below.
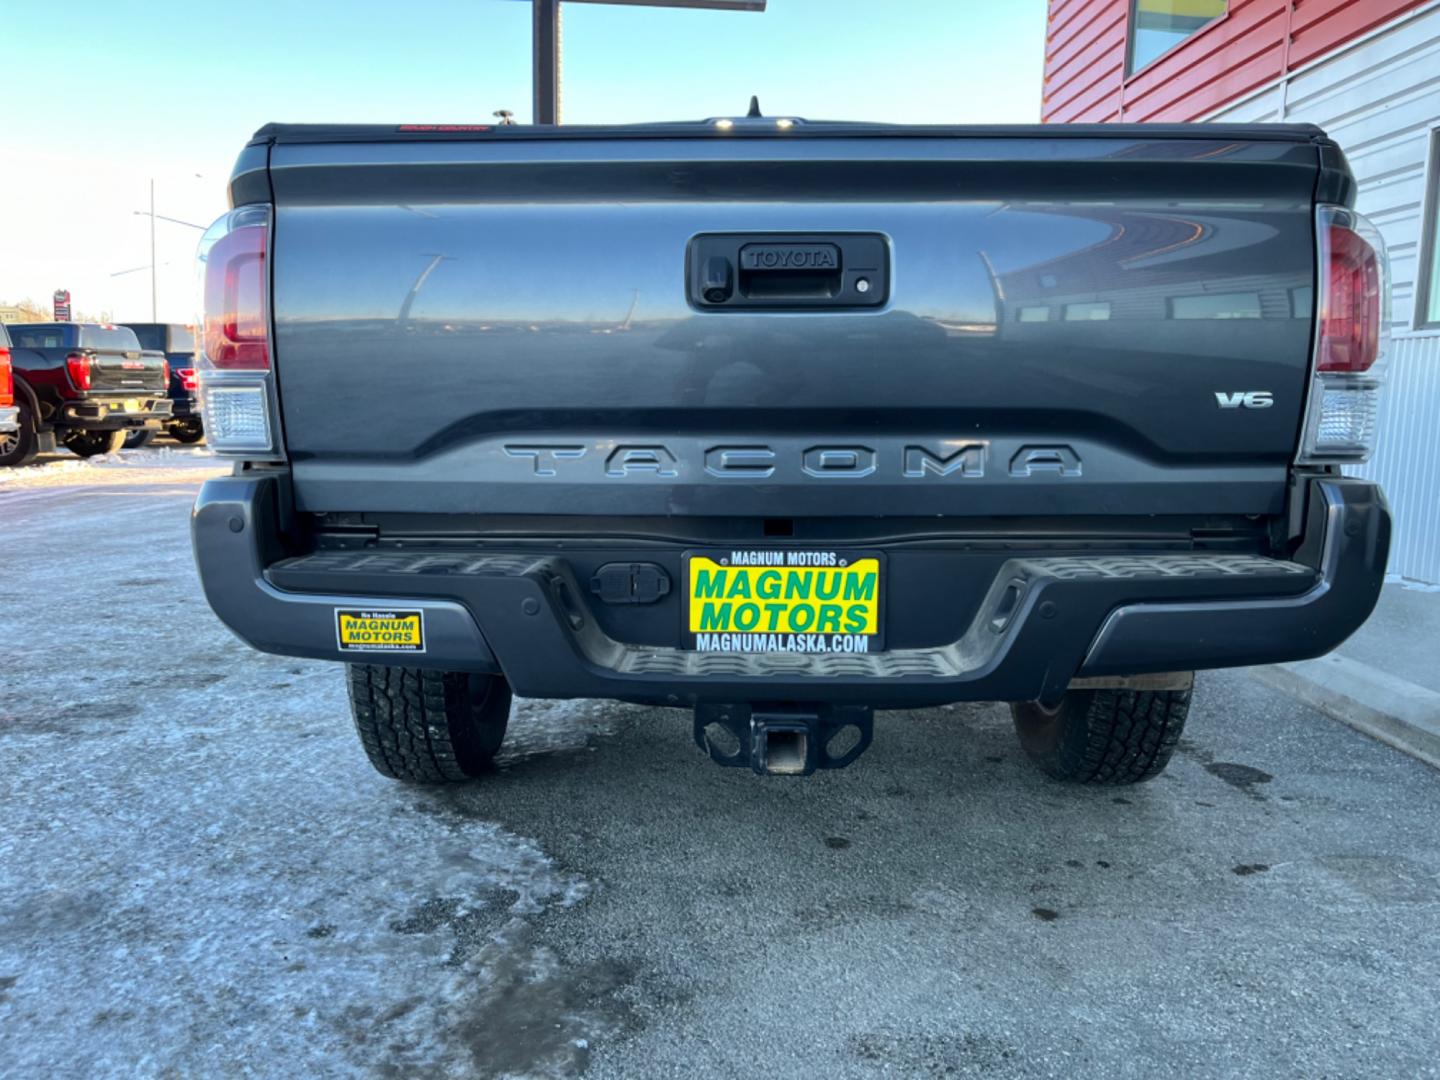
(746, 271)
(795, 271)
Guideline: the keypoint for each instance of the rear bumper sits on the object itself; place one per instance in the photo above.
(9, 417)
(184, 406)
(102, 415)
(1045, 620)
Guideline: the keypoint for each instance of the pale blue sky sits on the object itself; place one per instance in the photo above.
(170, 89)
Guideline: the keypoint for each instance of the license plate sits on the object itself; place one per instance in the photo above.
(132, 404)
(784, 601)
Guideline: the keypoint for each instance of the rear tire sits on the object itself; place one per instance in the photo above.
(1104, 736)
(93, 443)
(186, 431)
(134, 440)
(20, 446)
(428, 726)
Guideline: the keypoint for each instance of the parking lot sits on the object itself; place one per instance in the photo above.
(200, 874)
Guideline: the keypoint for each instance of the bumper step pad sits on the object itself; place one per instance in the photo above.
(1078, 587)
(1043, 619)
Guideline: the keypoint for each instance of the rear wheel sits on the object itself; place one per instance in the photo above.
(20, 446)
(93, 443)
(1104, 736)
(134, 440)
(428, 726)
(187, 430)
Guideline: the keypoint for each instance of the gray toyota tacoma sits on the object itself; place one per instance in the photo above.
(784, 422)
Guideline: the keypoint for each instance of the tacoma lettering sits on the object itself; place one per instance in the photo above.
(947, 460)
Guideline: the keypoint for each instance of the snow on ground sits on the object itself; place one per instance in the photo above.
(199, 872)
(158, 462)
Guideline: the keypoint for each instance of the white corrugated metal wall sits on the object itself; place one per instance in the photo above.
(1379, 98)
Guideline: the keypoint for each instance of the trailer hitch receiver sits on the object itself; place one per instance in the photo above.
(784, 740)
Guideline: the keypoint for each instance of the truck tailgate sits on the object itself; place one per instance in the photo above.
(116, 372)
(1073, 324)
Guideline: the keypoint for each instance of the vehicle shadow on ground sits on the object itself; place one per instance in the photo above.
(941, 862)
(940, 781)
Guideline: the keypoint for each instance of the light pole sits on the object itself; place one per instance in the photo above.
(154, 291)
(545, 44)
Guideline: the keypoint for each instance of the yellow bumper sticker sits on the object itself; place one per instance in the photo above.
(367, 630)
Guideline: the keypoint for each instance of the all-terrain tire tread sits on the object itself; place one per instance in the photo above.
(1105, 736)
(403, 716)
(1132, 734)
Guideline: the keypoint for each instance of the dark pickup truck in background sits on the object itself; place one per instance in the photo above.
(177, 342)
(786, 422)
(83, 386)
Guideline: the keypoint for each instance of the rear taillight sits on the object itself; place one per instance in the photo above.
(7, 380)
(165, 372)
(1352, 336)
(77, 366)
(233, 372)
(1349, 301)
(236, 325)
(188, 382)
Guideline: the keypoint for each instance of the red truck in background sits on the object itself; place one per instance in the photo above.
(9, 414)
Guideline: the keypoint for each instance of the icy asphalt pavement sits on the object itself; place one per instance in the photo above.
(200, 875)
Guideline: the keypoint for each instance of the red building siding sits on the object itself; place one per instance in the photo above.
(1254, 43)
